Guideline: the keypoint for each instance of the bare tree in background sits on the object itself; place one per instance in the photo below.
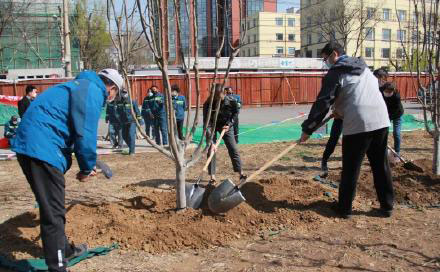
(344, 21)
(154, 17)
(427, 49)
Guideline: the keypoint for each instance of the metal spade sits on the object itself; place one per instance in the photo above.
(194, 192)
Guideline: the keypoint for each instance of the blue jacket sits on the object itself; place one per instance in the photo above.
(124, 112)
(145, 112)
(10, 130)
(179, 104)
(157, 104)
(111, 113)
(63, 117)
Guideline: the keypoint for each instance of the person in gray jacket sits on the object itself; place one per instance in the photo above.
(354, 90)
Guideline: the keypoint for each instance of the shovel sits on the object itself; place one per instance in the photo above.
(228, 195)
(194, 192)
(406, 164)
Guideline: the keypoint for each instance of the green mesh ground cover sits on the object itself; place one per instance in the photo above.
(277, 132)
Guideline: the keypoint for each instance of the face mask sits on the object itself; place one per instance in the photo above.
(388, 94)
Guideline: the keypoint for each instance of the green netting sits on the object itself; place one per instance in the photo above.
(6, 112)
(277, 132)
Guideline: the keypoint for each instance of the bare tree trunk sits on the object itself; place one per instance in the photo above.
(180, 184)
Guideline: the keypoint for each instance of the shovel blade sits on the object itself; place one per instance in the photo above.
(194, 195)
(225, 197)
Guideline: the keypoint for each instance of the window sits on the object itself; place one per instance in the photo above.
(401, 15)
(291, 22)
(369, 34)
(291, 37)
(255, 22)
(255, 37)
(320, 37)
(279, 36)
(370, 13)
(248, 39)
(369, 52)
(291, 51)
(255, 51)
(280, 50)
(385, 53)
(401, 35)
(414, 17)
(414, 36)
(399, 53)
(249, 25)
(309, 38)
(386, 34)
(279, 21)
(309, 21)
(386, 14)
(309, 53)
(249, 52)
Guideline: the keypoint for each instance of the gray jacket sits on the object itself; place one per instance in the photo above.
(354, 90)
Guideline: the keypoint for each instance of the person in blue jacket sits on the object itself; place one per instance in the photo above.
(237, 97)
(62, 120)
(128, 122)
(11, 128)
(147, 115)
(114, 124)
(158, 109)
(179, 104)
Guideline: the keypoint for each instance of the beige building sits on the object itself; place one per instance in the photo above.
(272, 34)
(379, 31)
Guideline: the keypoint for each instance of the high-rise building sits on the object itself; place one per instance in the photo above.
(213, 20)
(272, 34)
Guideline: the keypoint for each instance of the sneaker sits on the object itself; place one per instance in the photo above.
(77, 251)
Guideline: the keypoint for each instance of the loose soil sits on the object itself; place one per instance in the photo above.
(136, 208)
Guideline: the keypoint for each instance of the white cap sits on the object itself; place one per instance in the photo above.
(114, 76)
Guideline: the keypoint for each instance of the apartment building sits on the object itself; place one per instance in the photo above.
(272, 34)
(379, 31)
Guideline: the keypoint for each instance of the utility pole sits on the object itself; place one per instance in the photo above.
(66, 34)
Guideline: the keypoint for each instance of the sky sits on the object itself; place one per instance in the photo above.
(284, 4)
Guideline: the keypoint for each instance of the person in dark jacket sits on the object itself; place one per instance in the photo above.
(395, 111)
(236, 121)
(11, 128)
(127, 120)
(158, 109)
(62, 120)
(23, 104)
(114, 124)
(147, 115)
(225, 121)
(179, 104)
(354, 91)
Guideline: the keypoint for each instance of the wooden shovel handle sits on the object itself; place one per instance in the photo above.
(279, 156)
(395, 154)
(213, 153)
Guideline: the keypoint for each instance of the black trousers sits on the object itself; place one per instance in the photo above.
(354, 148)
(180, 128)
(236, 129)
(48, 184)
(335, 133)
(229, 141)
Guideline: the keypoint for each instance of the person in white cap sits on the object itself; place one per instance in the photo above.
(62, 120)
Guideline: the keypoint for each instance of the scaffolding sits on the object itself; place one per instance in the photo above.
(32, 39)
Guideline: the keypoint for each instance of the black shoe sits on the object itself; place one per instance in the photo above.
(339, 212)
(243, 177)
(385, 213)
(324, 167)
(77, 251)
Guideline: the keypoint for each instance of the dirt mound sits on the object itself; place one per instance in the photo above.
(410, 187)
(149, 222)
